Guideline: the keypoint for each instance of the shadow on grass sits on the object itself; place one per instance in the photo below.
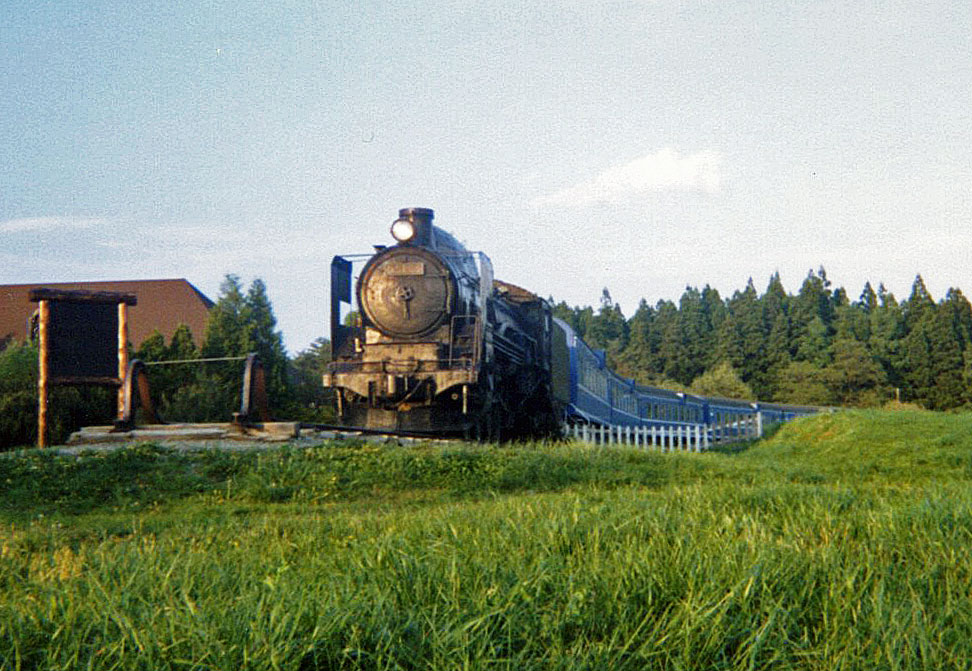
(740, 446)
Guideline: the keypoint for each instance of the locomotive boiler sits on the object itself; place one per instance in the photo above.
(436, 344)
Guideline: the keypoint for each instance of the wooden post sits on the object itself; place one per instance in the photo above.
(122, 354)
(42, 372)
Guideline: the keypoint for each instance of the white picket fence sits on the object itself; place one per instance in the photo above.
(671, 438)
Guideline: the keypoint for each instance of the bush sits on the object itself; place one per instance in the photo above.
(68, 408)
(18, 395)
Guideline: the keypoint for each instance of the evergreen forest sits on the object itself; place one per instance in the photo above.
(814, 347)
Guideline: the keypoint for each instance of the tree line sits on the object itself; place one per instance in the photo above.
(815, 347)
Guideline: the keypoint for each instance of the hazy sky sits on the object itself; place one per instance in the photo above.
(638, 145)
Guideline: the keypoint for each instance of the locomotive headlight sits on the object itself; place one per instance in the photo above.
(403, 230)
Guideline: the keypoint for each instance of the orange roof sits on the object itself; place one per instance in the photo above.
(162, 305)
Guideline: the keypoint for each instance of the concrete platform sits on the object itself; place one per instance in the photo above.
(270, 432)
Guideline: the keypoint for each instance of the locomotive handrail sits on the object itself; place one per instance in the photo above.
(471, 320)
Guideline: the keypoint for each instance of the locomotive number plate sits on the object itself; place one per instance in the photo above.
(402, 269)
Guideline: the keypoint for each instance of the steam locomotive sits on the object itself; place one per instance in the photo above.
(438, 346)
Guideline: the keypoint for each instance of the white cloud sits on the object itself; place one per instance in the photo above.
(665, 170)
(40, 224)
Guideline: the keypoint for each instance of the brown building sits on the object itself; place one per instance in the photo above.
(162, 305)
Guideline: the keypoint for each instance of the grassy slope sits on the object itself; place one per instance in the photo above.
(841, 542)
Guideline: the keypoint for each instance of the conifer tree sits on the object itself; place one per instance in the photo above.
(917, 304)
(152, 348)
(608, 330)
(666, 318)
(239, 324)
(741, 339)
(312, 402)
(958, 311)
(855, 378)
(637, 361)
(181, 345)
(714, 313)
(262, 337)
(887, 330)
(932, 360)
(811, 319)
(686, 339)
(777, 353)
(225, 332)
(868, 299)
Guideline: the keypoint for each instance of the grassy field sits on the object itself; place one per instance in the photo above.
(842, 542)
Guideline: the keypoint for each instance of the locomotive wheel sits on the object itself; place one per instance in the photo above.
(492, 425)
(488, 425)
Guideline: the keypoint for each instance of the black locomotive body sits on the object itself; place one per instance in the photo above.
(436, 344)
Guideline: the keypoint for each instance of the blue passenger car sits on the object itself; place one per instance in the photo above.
(591, 393)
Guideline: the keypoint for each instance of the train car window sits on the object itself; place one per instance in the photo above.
(592, 377)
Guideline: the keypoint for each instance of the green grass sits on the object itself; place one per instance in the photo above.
(842, 542)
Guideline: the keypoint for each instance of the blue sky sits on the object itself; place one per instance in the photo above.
(638, 145)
